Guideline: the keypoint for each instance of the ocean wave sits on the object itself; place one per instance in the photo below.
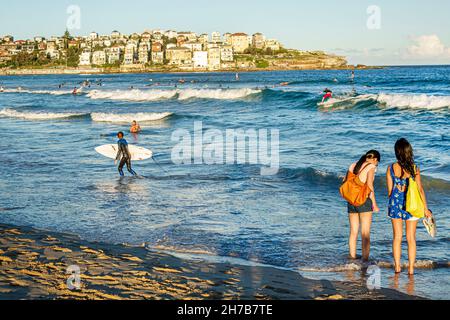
(49, 92)
(185, 94)
(399, 101)
(422, 101)
(334, 180)
(128, 118)
(358, 266)
(10, 113)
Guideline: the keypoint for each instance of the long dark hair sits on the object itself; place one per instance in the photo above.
(372, 154)
(405, 156)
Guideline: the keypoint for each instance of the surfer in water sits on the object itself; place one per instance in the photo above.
(328, 95)
(123, 155)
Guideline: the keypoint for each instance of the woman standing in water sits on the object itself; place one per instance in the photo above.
(398, 175)
(361, 217)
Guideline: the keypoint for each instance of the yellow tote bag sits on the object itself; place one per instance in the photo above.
(414, 202)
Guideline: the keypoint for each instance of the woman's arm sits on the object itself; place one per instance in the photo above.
(428, 213)
(370, 183)
(389, 182)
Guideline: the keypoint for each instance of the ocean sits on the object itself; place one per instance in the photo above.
(52, 179)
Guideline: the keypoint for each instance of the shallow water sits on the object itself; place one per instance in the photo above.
(53, 179)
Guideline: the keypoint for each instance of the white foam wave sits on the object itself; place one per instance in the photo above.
(132, 95)
(50, 92)
(128, 118)
(10, 113)
(185, 94)
(217, 94)
(422, 101)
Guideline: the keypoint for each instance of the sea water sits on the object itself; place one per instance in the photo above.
(51, 177)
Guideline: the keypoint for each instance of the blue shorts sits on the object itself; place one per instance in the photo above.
(366, 207)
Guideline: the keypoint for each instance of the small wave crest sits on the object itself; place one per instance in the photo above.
(399, 101)
(10, 113)
(50, 92)
(185, 94)
(128, 118)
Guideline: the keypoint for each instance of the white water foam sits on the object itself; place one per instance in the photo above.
(185, 94)
(10, 113)
(50, 92)
(128, 118)
(132, 95)
(422, 101)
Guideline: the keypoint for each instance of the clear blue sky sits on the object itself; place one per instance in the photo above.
(412, 31)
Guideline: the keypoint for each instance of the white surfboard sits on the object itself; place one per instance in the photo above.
(137, 153)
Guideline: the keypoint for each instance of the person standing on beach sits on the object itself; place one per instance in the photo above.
(361, 217)
(397, 176)
(123, 155)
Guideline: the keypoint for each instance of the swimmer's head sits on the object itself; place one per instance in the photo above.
(120, 135)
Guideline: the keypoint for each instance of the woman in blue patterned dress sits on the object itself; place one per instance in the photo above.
(398, 175)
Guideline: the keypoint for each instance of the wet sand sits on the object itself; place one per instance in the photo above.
(33, 266)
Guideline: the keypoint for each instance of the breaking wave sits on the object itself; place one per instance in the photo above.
(128, 118)
(10, 113)
(154, 95)
(49, 92)
(399, 101)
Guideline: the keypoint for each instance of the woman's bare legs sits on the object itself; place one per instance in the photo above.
(397, 227)
(411, 227)
(354, 232)
(366, 224)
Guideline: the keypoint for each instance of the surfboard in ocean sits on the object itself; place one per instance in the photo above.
(137, 153)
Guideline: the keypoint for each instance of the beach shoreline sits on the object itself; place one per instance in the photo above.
(34, 266)
(109, 71)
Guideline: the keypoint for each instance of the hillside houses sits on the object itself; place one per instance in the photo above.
(153, 47)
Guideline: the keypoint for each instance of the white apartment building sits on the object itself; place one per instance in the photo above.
(158, 57)
(194, 46)
(200, 59)
(93, 36)
(99, 58)
(214, 58)
(85, 58)
(143, 54)
(226, 53)
(216, 37)
(129, 54)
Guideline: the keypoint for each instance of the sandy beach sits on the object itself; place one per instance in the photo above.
(33, 265)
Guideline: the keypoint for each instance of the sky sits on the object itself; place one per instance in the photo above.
(376, 32)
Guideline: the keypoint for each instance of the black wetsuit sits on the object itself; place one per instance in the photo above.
(124, 156)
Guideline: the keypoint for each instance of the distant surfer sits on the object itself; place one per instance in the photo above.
(328, 95)
(237, 77)
(352, 77)
(75, 91)
(135, 127)
(123, 155)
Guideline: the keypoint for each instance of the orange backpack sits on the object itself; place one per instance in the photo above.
(354, 191)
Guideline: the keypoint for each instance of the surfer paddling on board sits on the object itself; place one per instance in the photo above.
(123, 155)
(328, 95)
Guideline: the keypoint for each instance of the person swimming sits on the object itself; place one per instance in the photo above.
(75, 91)
(328, 95)
(135, 127)
(123, 155)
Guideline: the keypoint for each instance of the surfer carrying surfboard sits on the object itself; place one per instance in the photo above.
(123, 155)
